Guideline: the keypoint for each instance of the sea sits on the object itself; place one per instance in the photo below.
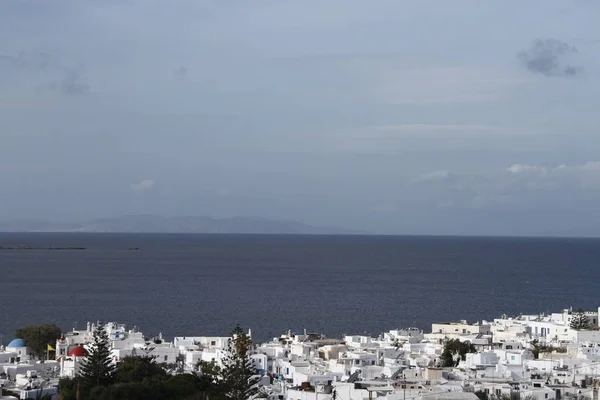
(205, 285)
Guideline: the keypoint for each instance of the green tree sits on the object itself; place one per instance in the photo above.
(67, 388)
(237, 374)
(188, 386)
(211, 380)
(38, 337)
(139, 369)
(453, 347)
(97, 369)
(580, 321)
(129, 391)
(481, 395)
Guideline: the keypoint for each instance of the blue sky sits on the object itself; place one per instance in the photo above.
(462, 117)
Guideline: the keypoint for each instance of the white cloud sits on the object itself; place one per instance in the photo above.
(519, 186)
(143, 185)
(526, 169)
(586, 175)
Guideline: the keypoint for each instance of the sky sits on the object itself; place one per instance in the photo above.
(391, 116)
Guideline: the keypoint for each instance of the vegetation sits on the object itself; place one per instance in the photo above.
(238, 371)
(98, 369)
(514, 396)
(455, 347)
(139, 369)
(38, 337)
(543, 348)
(211, 382)
(580, 321)
(142, 378)
(7, 392)
(68, 387)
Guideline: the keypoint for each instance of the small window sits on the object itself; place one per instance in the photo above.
(166, 358)
(213, 343)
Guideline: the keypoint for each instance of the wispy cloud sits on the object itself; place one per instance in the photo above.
(585, 176)
(71, 85)
(417, 129)
(146, 184)
(441, 175)
(435, 85)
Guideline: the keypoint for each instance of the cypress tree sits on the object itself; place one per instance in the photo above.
(97, 369)
(238, 371)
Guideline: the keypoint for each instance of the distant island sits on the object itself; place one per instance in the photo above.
(27, 247)
(160, 224)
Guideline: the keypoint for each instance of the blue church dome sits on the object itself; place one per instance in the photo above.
(17, 343)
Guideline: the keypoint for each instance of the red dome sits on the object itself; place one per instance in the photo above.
(78, 351)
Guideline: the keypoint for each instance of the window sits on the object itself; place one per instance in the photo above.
(213, 343)
(166, 358)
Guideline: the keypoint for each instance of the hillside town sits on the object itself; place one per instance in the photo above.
(542, 356)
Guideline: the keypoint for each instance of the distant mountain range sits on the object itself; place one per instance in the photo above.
(159, 224)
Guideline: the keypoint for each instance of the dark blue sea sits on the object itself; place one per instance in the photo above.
(206, 284)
